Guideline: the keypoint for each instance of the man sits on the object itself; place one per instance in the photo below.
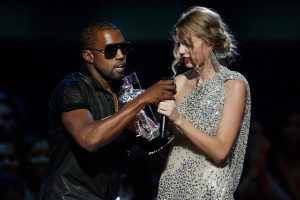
(87, 137)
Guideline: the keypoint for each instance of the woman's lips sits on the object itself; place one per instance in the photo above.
(186, 60)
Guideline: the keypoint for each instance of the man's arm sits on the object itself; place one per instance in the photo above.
(92, 134)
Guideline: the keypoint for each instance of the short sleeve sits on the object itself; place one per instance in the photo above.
(68, 95)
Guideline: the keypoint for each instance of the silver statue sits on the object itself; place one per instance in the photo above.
(144, 126)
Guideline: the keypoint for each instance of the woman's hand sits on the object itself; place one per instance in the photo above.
(169, 109)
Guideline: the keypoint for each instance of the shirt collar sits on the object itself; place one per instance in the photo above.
(84, 70)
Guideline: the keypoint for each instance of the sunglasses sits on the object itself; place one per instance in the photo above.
(111, 50)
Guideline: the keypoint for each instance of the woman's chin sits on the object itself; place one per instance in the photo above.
(189, 65)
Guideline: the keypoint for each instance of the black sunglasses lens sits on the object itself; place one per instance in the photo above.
(125, 47)
(111, 49)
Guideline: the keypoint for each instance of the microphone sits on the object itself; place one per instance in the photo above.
(163, 118)
(163, 126)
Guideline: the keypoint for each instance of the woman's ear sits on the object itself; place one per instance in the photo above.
(88, 56)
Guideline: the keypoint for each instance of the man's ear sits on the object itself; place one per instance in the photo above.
(88, 56)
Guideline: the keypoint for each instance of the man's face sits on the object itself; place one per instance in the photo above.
(109, 67)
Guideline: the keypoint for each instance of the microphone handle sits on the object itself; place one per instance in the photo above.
(163, 126)
(164, 119)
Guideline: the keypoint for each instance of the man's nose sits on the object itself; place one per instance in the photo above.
(120, 54)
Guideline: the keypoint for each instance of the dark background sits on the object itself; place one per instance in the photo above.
(39, 46)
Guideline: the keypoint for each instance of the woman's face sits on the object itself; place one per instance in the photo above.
(195, 53)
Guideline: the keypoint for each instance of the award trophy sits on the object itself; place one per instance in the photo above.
(146, 127)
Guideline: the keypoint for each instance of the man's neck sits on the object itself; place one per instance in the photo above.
(107, 85)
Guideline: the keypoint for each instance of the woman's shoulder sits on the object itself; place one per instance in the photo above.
(232, 75)
(180, 78)
(234, 81)
(183, 76)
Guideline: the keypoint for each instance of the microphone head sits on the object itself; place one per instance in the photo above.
(180, 67)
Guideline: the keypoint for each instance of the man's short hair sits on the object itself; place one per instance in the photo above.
(88, 35)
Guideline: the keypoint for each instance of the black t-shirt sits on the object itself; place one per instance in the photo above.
(75, 173)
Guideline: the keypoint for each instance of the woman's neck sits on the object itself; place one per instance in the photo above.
(205, 72)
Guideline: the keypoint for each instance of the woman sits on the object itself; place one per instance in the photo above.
(210, 114)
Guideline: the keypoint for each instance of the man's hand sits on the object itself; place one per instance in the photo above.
(160, 91)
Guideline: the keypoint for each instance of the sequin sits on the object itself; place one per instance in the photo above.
(189, 174)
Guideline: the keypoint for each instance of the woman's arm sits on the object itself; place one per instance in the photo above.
(215, 147)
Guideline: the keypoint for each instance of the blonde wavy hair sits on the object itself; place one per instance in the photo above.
(207, 25)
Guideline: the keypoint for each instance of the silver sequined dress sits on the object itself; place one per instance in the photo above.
(191, 175)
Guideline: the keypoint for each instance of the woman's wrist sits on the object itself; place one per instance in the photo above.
(178, 121)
